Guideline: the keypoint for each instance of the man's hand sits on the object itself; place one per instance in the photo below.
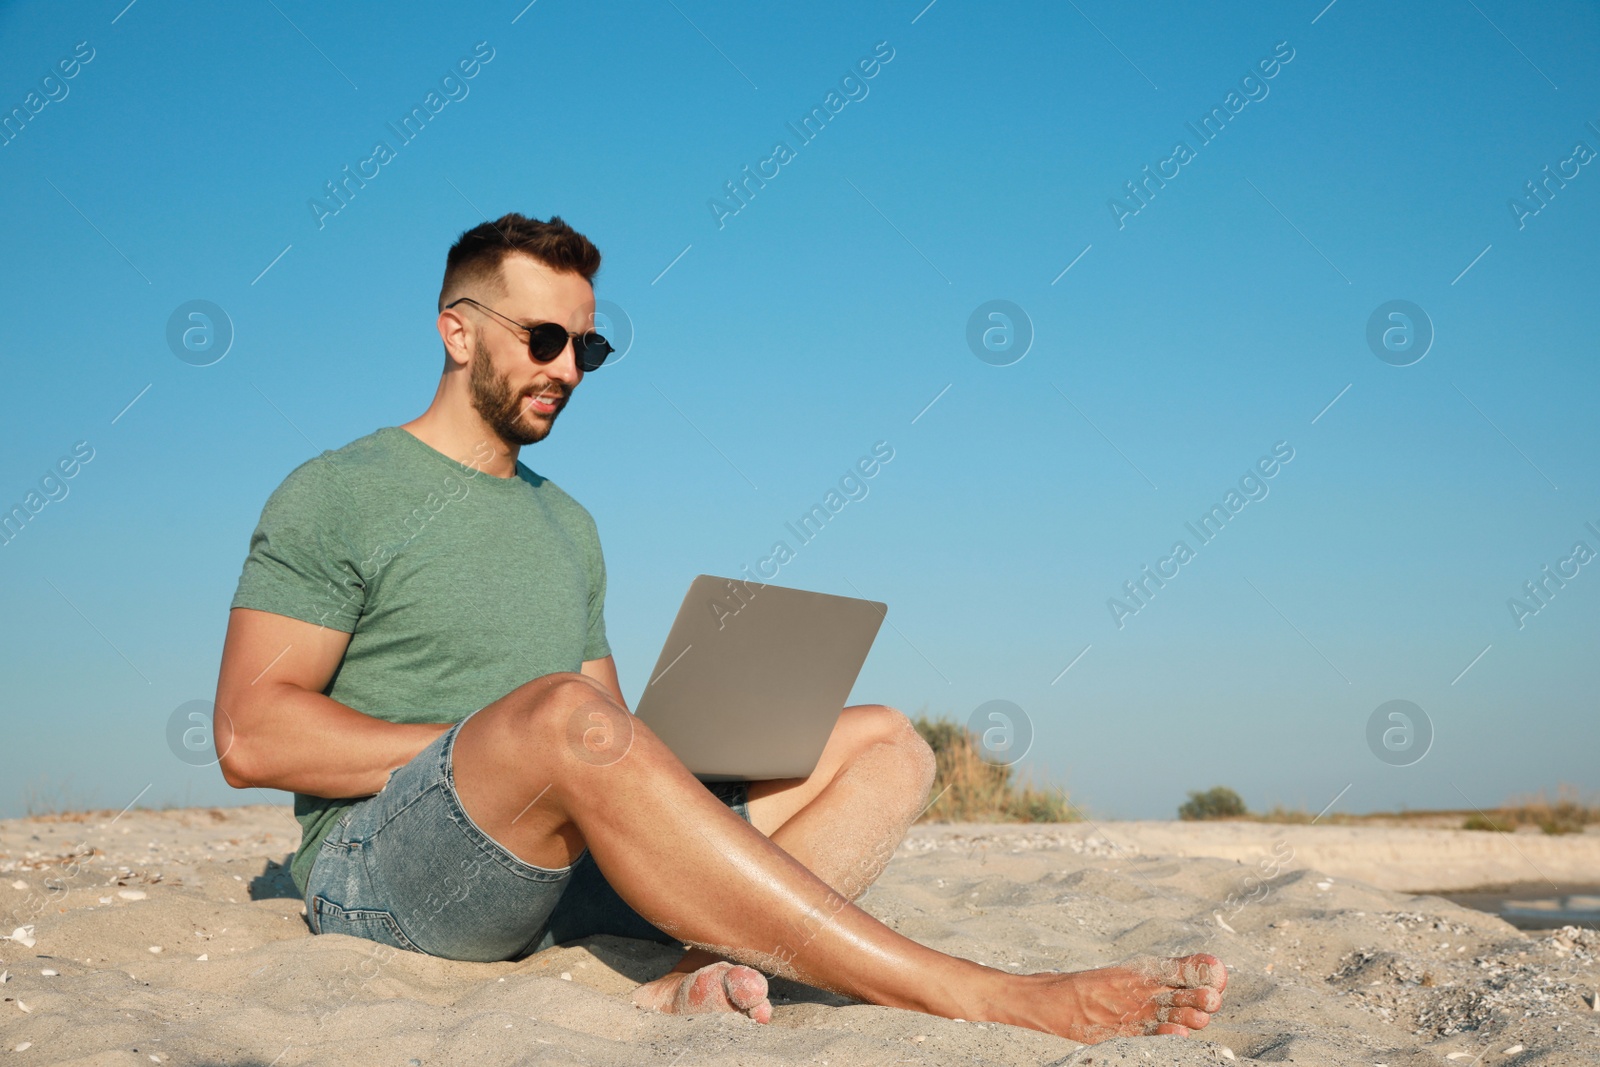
(274, 727)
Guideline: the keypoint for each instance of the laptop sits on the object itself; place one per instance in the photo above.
(753, 676)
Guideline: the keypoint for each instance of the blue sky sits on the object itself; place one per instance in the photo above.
(776, 345)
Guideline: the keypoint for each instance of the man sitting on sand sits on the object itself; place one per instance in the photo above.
(417, 650)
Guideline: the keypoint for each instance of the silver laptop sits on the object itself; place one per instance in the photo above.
(753, 676)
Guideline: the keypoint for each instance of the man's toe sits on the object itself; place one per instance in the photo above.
(1204, 998)
(1188, 1018)
(1197, 971)
(746, 990)
(746, 986)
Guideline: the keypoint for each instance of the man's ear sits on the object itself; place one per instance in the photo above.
(456, 333)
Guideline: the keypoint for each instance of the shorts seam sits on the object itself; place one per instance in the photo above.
(401, 810)
(381, 915)
(486, 844)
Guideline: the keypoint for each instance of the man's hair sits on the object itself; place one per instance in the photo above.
(473, 265)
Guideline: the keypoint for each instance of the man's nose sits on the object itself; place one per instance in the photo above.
(564, 368)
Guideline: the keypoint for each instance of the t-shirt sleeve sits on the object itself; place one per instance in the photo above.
(595, 645)
(302, 560)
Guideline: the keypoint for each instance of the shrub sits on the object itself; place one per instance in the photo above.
(1218, 803)
(968, 788)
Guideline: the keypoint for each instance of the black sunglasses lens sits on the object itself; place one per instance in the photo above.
(593, 350)
(545, 341)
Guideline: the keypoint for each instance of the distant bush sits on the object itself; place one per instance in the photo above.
(968, 788)
(1218, 803)
(1483, 822)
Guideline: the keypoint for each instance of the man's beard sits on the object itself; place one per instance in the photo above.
(503, 409)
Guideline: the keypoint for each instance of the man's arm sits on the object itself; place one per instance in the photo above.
(275, 729)
(604, 671)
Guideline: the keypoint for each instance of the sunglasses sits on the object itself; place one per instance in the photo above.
(547, 340)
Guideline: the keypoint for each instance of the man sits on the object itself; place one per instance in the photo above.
(417, 651)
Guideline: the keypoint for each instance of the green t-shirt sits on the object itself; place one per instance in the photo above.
(456, 586)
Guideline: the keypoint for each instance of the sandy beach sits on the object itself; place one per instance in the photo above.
(175, 937)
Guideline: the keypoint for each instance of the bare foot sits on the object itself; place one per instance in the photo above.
(718, 986)
(1149, 995)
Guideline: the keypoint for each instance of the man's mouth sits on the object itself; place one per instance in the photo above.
(544, 403)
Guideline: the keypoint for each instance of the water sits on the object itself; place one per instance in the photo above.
(1536, 905)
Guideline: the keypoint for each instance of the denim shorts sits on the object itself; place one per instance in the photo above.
(408, 868)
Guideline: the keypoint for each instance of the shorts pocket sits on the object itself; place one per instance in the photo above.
(371, 924)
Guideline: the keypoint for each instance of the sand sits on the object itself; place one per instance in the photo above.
(175, 937)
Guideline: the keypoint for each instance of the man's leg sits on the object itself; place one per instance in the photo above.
(843, 823)
(557, 765)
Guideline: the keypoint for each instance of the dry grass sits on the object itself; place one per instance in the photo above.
(966, 788)
(1302, 817)
(60, 800)
(1569, 813)
(42, 796)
